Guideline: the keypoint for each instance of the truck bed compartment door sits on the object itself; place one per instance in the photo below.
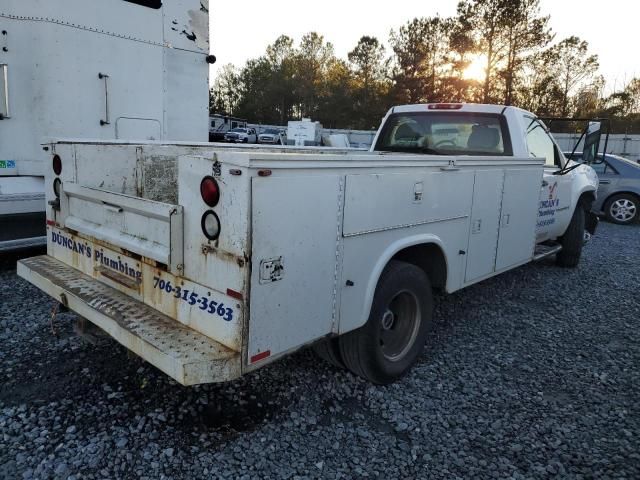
(518, 216)
(485, 219)
(293, 276)
(380, 202)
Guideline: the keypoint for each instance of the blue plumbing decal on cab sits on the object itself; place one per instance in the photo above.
(83, 248)
(547, 208)
(192, 298)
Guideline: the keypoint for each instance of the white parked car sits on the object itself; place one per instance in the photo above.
(272, 136)
(241, 135)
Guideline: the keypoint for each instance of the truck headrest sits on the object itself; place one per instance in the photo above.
(483, 138)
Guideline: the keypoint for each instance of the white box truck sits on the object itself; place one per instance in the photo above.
(304, 133)
(212, 262)
(111, 69)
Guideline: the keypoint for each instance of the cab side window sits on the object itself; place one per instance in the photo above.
(539, 143)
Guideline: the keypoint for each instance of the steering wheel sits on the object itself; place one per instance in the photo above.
(445, 142)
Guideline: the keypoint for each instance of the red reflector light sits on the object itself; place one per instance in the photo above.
(260, 356)
(264, 173)
(234, 294)
(51, 223)
(444, 106)
(57, 164)
(210, 191)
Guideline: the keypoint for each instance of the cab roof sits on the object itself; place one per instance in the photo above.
(453, 107)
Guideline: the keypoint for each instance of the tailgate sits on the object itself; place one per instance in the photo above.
(148, 228)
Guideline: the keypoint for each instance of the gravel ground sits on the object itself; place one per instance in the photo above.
(533, 374)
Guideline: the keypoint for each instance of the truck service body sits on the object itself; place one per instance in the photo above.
(210, 261)
(116, 69)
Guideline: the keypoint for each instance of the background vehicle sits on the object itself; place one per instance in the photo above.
(219, 125)
(272, 136)
(236, 257)
(619, 188)
(117, 70)
(304, 133)
(241, 135)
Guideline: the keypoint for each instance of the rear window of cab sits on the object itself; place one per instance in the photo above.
(450, 133)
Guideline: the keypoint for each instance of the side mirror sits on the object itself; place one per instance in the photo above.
(592, 143)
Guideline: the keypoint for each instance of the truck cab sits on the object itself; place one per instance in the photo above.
(491, 130)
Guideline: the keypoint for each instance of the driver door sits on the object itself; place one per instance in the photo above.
(554, 203)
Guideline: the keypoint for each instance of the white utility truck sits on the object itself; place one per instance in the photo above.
(211, 262)
(100, 69)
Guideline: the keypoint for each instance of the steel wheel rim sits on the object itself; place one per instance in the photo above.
(399, 326)
(623, 210)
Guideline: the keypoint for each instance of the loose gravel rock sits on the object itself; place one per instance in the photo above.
(532, 374)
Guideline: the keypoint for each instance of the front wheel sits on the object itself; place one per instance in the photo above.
(572, 240)
(622, 209)
(387, 346)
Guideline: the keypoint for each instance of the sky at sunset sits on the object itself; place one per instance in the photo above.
(240, 31)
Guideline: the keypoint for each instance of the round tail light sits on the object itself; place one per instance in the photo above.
(56, 187)
(57, 164)
(210, 191)
(210, 225)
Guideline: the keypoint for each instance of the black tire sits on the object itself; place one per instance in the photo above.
(572, 240)
(393, 320)
(329, 351)
(622, 209)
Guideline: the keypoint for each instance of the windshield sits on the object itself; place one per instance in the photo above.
(271, 131)
(239, 130)
(459, 133)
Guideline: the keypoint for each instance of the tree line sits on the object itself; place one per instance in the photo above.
(523, 64)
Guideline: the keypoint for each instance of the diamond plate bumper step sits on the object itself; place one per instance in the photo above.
(187, 356)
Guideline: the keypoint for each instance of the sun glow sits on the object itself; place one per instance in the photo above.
(476, 69)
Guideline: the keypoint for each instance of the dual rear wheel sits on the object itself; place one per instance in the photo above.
(385, 348)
